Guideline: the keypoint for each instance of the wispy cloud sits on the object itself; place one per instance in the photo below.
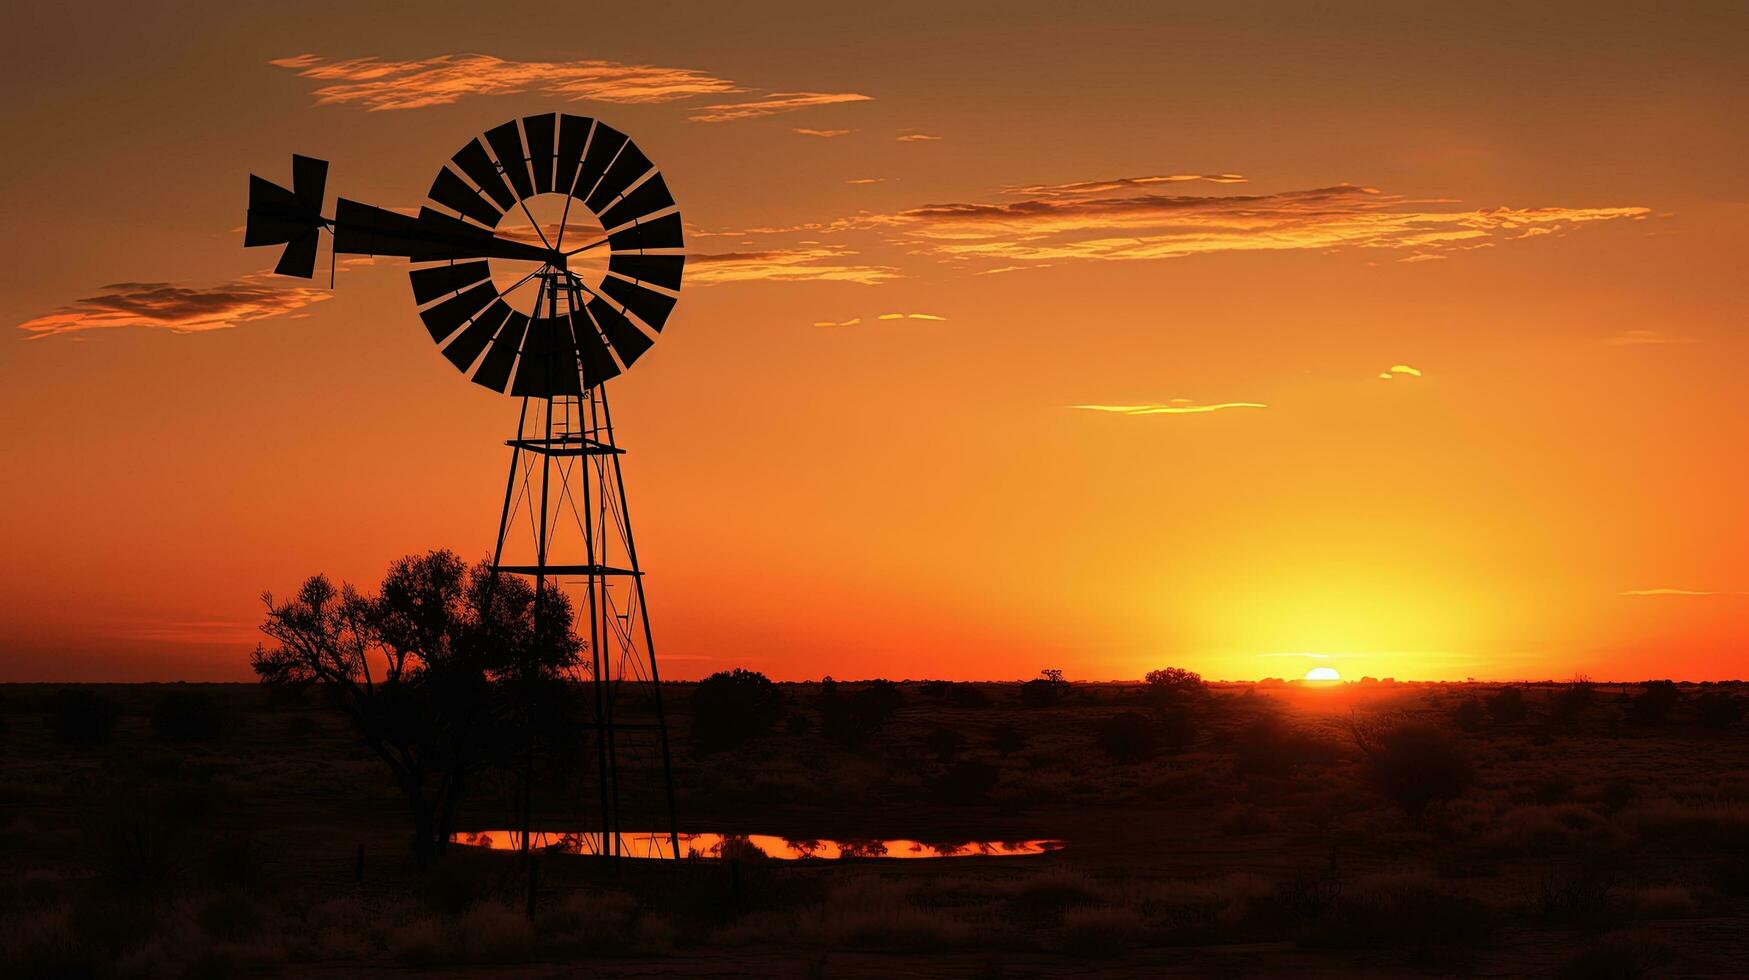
(1083, 188)
(1177, 406)
(916, 138)
(176, 307)
(1644, 593)
(1059, 227)
(379, 85)
(1399, 370)
(1644, 338)
(867, 180)
(822, 133)
(853, 321)
(815, 263)
(772, 104)
(910, 316)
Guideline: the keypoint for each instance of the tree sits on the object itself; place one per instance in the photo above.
(1655, 702)
(856, 717)
(446, 672)
(731, 706)
(1175, 684)
(1047, 689)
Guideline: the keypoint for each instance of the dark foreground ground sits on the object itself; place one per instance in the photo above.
(1600, 837)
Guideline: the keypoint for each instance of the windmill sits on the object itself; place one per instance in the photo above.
(547, 312)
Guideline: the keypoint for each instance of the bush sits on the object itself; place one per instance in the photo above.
(968, 696)
(1045, 690)
(1129, 737)
(1654, 703)
(1007, 739)
(1269, 746)
(1574, 698)
(1717, 710)
(1507, 706)
(856, 717)
(1413, 764)
(187, 716)
(1468, 716)
(82, 716)
(944, 744)
(1174, 684)
(733, 706)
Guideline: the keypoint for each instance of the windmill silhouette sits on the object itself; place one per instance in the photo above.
(595, 307)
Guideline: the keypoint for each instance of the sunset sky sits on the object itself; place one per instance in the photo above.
(1405, 339)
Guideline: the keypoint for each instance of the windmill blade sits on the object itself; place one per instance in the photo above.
(276, 215)
(630, 165)
(429, 284)
(465, 349)
(548, 365)
(494, 371)
(604, 145)
(649, 197)
(628, 341)
(538, 130)
(309, 181)
(454, 193)
(299, 258)
(662, 270)
(597, 363)
(480, 169)
(664, 232)
(446, 317)
(506, 143)
(647, 304)
(573, 138)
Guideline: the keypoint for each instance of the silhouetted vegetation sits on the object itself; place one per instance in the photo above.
(1716, 709)
(854, 718)
(1507, 706)
(1129, 737)
(1269, 745)
(187, 716)
(1007, 739)
(1413, 764)
(944, 744)
(1655, 702)
(1173, 685)
(731, 706)
(1468, 715)
(1045, 690)
(432, 671)
(82, 716)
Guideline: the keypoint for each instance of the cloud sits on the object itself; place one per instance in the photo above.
(380, 85)
(1398, 370)
(1060, 225)
(1644, 338)
(813, 263)
(1178, 406)
(916, 138)
(1642, 593)
(823, 133)
(1082, 188)
(867, 180)
(910, 316)
(177, 308)
(772, 104)
(853, 321)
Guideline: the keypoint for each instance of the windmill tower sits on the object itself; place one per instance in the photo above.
(547, 259)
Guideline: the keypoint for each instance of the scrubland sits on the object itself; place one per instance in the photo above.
(1383, 830)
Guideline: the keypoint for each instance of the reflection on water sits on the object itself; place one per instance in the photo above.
(754, 846)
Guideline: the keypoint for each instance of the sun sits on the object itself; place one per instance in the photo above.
(1325, 674)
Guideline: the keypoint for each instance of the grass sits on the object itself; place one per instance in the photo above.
(1262, 846)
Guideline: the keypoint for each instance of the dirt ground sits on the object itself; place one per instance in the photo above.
(1242, 832)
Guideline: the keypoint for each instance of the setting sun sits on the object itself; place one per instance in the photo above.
(1323, 674)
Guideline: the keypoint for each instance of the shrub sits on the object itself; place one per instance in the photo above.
(944, 744)
(732, 706)
(856, 717)
(1413, 764)
(1099, 930)
(1129, 737)
(1718, 710)
(1573, 698)
(1173, 684)
(187, 716)
(1507, 706)
(1654, 703)
(1468, 716)
(1046, 690)
(1269, 746)
(967, 781)
(82, 716)
(1617, 956)
(968, 696)
(1007, 739)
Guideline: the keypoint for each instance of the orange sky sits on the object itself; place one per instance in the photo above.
(1140, 421)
